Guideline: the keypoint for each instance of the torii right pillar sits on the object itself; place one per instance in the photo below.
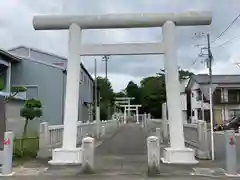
(177, 153)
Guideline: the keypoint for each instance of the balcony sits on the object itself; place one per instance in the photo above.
(226, 101)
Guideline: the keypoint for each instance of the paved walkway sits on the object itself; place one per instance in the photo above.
(124, 153)
(123, 156)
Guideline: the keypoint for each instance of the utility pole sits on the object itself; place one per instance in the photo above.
(211, 87)
(209, 65)
(96, 93)
(105, 58)
(97, 99)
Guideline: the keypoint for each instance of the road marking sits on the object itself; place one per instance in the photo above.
(222, 132)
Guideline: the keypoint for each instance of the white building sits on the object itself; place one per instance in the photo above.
(183, 85)
(226, 97)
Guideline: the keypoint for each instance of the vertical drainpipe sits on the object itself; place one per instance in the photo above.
(64, 72)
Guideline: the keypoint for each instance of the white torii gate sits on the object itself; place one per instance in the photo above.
(124, 100)
(130, 107)
(177, 152)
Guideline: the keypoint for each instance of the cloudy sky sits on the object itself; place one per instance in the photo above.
(16, 29)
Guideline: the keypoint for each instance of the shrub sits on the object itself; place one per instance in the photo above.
(25, 147)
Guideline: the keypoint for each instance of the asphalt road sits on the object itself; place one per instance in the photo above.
(220, 146)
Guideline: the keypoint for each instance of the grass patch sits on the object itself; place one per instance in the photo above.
(25, 148)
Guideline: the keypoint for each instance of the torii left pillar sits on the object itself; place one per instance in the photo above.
(69, 153)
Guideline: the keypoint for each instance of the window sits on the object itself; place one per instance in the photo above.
(206, 114)
(81, 76)
(217, 96)
(199, 94)
(193, 114)
(85, 79)
(2, 81)
(32, 92)
(233, 95)
(199, 114)
(233, 113)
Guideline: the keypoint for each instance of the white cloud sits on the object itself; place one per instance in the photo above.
(16, 29)
(226, 67)
(120, 82)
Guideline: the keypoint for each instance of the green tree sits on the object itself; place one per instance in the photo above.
(30, 111)
(133, 90)
(11, 95)
(106, 90)
(153, 94)
(14, 91)
(120, 94)
(183, 74)
(107, 97)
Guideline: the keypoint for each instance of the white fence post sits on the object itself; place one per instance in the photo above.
(203, 151)
(43, 141)
(145, 120)
(153, 149)
(165, 122)
(88, 154)
(165, 128)
(159, 134)
(7, 154)
(103, 131)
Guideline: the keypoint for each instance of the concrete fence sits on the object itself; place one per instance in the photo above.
(51, 136)
(191, 134)
(196, 135)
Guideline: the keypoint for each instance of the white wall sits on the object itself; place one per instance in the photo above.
(183, 100)
(224, 108)
(14, 122)
(196, 104)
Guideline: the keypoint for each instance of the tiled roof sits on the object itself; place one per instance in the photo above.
(217, 79)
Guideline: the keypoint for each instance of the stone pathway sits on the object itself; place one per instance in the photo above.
(122, 156)
(124, 153)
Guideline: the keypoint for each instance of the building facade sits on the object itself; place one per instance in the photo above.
(226, 97)
(183, 95)
(44, 76)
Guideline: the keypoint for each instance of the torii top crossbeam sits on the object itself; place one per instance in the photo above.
(131, 105)
(47, 22)
(124, 98)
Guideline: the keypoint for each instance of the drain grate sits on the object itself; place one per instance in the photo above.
(22, 171)
(209, 172)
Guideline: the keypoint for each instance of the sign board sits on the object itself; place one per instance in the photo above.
(7, 153)
(205, 89)
(6, 140)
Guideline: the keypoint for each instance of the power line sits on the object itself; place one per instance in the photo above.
(224, 43)
(223, 32)
(219, 36)
(228, 27)
(194, 61)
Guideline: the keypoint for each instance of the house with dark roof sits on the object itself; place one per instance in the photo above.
(43, 75)
(183, 97)
(226, 97)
